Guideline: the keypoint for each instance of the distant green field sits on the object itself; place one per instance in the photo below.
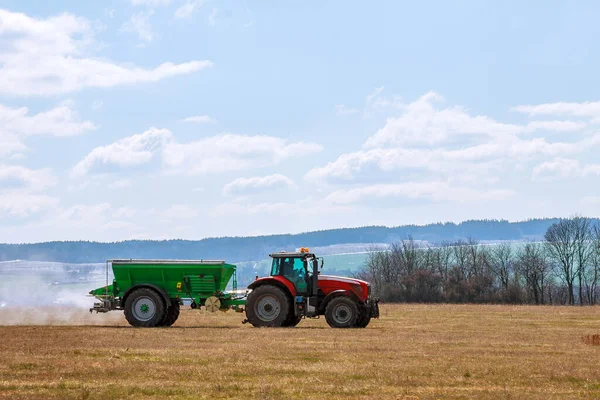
(344, 262)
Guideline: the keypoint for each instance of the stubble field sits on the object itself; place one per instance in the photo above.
(412, 352)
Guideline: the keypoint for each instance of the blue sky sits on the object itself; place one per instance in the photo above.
(185, 119)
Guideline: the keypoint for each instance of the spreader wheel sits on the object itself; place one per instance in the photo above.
(341, 312)
(212, 304)
(172, 314)
(144, 308)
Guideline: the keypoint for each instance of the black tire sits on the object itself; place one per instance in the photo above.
(267, 306)
(144, 308)
(292, 320)
(363, 319)
(342, 312)
(172, 314)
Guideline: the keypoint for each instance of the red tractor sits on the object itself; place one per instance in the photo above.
(296, 289)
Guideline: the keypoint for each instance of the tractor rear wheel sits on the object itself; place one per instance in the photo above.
(341, 312)
(144, 308)
(292, 321)
(172, 314)
(267, 305)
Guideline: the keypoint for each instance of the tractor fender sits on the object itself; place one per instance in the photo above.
(337, 293)
(278, 281)
(159, 290)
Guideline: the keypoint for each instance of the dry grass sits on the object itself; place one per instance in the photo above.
(594, 340)
(412, 352)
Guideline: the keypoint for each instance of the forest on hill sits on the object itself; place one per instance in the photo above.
(237, 249)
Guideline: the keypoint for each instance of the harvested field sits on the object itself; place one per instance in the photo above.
(412, 352)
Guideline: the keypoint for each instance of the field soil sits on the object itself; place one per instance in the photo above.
(412, 352)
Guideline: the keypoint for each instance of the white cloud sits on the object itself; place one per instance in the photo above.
(97, 105)
(591, 200)
(16, 125)
(375, 102)
(24, 204)
(10, 143)
(59, 121)
(257, 183)
(421, 123)
(120, 184)
(31, 179)
(188, 8)
(151, 3)
(231, 152)
(447, 140)
(180, 212)
(139, 23)
(564, 168)
(50, 56)
(130, 151)
(20, 190)
(212, 17)
(200, 119)
(341, 109)
(84, 211)
(348, 165)
(245, 209)
(555, 126)
(371, 97)
(16, 156)
(436, 191)
(585, 109)
(227, 152)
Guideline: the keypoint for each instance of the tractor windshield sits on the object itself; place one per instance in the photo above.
(292, 268)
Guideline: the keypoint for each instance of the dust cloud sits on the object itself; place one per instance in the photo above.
(42, 293)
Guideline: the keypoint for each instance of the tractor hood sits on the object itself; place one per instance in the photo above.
(330, 283)
(342, 279)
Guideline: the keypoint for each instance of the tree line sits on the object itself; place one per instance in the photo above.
(237, 249)
(563, 268)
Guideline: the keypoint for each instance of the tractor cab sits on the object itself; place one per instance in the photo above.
(298, 268)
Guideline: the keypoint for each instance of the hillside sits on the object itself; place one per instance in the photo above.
(237, 249)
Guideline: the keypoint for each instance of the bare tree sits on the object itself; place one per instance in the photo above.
(533, 267)
(501, 263)
(593, 273)
(376, 268)
(439, 259)
(405, 256)
(562, 248)
(460, 255)
(582, 235)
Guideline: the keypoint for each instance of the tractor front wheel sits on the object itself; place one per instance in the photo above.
(341, 312)
(267, 305)
(144, 308)
(363, 319)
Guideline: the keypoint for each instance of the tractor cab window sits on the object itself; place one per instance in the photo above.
(293, 269)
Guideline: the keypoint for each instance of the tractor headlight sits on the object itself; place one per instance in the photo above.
(358, 289)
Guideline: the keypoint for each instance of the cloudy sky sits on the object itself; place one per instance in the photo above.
(125, 119)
